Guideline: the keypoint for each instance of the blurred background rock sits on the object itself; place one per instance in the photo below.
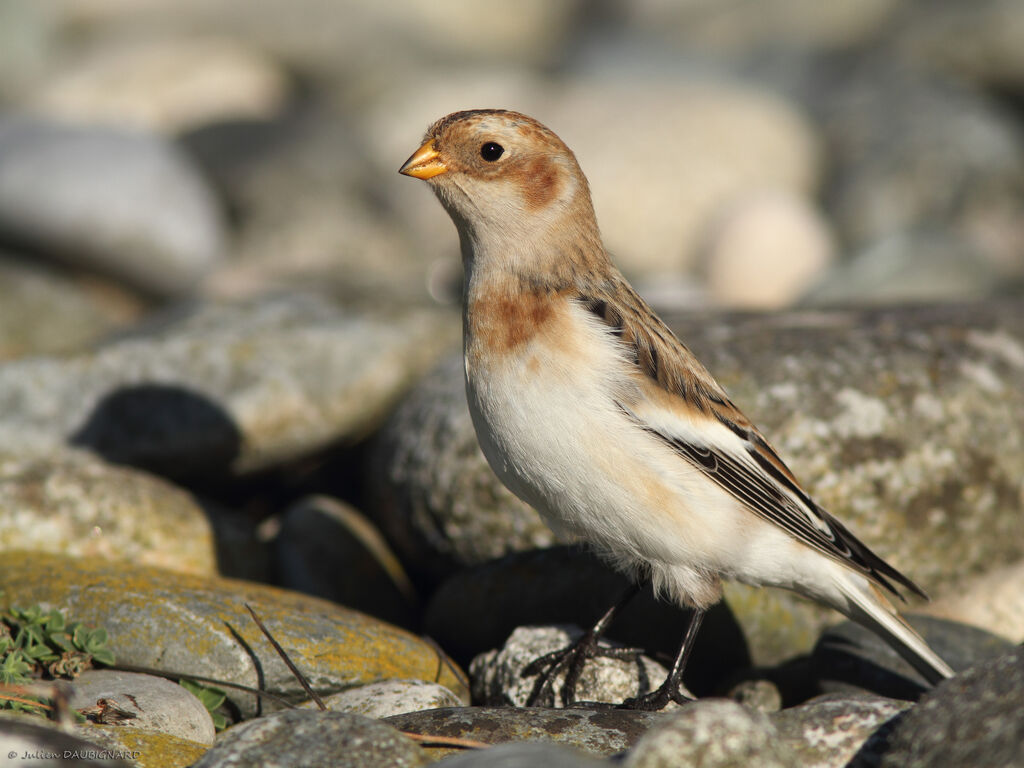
(210, 271)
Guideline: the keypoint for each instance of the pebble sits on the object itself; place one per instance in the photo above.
(598, 732)
(118, 202)
(313, 739)
(390, 697)
(992, 601)
(168, 86)
(42, 744)
(711, 733)
(156, 703)
(830, 731)
(850, 658)
(498, 677)
(328, 549)
(767, 250)
(522, 755)
(973, 719)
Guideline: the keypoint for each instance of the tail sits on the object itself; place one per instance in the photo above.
(866, 605)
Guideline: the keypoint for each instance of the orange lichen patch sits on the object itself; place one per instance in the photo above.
(191, 624)
(501, 322)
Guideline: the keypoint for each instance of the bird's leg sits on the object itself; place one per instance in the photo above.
(574, 657)
(669, 690)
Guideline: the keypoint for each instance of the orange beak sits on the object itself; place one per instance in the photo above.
(425, 163)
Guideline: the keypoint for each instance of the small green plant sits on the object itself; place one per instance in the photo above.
(212, 699)
(42, 645)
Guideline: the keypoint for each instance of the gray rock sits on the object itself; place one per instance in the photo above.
(912, 152)
(711, 733)
(124, 203)
(993, 600)
(327, 549)
(974, 719)
(524, 755)
(190, 625)
(598, 732)
(432, 490)
(76, 504)
(850, 658)
(983, 41)
(298, 737)
(760, 695)
(896, 421)
(157, 704)
(829, 731)
(498, 680)
(43, 311)
(34, 741)
(477, 609)
(390, 697)
(222, 388)
(929, 265)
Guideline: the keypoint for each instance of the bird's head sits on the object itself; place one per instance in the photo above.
(503, 177)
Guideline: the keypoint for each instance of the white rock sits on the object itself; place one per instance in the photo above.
(157, 703)
(767, 250)
(390, 697)
(166, 85)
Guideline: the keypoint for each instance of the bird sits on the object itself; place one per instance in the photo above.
(591, 410)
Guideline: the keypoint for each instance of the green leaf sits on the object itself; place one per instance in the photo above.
(103, 656)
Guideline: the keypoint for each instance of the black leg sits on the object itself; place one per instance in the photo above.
(670, 689)
(574, 658)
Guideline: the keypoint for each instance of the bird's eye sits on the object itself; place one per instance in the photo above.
(491, 151)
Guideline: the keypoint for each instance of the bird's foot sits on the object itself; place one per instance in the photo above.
(657, 699)
(571, 659)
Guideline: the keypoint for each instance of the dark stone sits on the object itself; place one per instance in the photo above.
(975, 719)
(477, 609)
(850, 658)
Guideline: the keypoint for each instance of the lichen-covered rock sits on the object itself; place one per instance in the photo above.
(598, 732)
(200, 626)
(74, 503)
(900, 421)
(45, 312)
(40, 743)
(829, 731)
(711, 733)
(315, 739)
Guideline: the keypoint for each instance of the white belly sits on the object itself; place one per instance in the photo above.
(548, 422)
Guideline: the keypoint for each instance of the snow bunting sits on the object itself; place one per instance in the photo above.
(590, 409)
